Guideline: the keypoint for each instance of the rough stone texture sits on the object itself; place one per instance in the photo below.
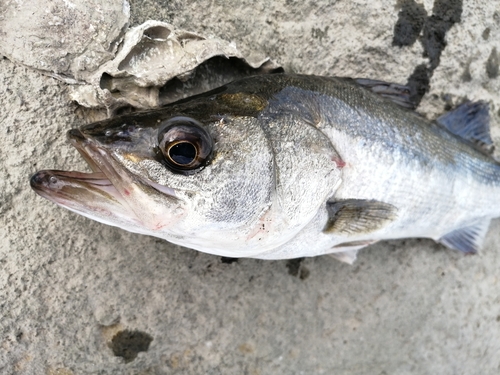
(66, 37)
(74, 293)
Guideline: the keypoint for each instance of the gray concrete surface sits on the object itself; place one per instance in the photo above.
(78, 297)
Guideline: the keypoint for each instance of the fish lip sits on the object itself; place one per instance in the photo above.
(39, 182)
(46, 177)
(44, 182)
(89, 194)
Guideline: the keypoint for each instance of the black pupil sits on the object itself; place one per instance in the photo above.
(182, 153)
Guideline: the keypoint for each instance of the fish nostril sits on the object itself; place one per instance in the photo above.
(75, 134)
(43, 178)
(38, 179)
(35, 180)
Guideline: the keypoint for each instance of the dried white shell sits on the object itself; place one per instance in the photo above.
(158, 64)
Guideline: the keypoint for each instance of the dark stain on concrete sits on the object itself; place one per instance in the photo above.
(127, 344)
(293, 266)
(486, 33)
(448, 102)
(418, 83)
(431, 30)
(492, 64)
(317, 33)
(296, 268)
(304, 273)
(445, 14)
(466, 76)
(228, 260)
(411, 19)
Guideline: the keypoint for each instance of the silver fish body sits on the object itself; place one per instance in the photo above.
(284, 166)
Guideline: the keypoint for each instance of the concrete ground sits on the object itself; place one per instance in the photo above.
(79, 297)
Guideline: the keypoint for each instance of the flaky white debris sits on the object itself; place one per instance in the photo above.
(151, 55)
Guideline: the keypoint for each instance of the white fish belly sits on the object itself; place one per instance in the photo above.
(431, 201)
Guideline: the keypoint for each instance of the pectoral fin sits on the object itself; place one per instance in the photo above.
(347, 252)
(468, 240)
(348, 256)
(358, 216)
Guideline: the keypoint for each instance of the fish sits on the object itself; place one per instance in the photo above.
(286, 166)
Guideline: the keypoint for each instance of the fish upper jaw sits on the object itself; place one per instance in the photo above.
(111, 194)
(101, 159)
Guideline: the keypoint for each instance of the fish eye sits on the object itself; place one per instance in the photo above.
(184, 143)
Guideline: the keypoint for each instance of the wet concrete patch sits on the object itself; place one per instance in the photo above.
(127, 344)
(296, 268)
(413, 23)
(411, 18)
(418, 82)
(444, 15)
(492, 65)
(466, 76)
(228, 260)
(486, 33)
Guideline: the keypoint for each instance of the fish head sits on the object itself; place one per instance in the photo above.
(196, 174)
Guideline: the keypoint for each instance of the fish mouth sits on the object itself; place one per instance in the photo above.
(88, 194)
(48, 182)
(102, 195)
(60, 185)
